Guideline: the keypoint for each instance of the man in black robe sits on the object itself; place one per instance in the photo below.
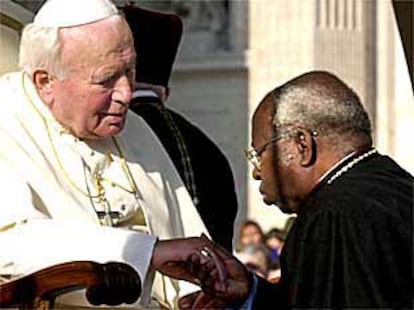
(200, 163)
(351, 245)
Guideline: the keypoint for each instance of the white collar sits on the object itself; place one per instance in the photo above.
(31, 94)
(144, 93)
(339, 162)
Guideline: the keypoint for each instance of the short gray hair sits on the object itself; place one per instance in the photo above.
(319, 101)
(40, 48)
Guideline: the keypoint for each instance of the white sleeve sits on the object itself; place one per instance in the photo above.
(30, 241)
(37, 244)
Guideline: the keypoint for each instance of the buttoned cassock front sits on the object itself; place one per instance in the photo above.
(64, 176)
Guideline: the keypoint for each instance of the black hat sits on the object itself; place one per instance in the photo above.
(156, 39)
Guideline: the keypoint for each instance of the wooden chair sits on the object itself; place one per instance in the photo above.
(38, 290)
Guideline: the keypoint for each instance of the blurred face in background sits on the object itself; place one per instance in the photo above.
(274, 243)
(251, 234)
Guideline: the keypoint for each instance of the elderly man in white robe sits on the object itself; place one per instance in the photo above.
(86, 162)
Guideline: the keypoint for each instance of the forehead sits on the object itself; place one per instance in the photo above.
(250, 228)
(97, 43)
(262, 128)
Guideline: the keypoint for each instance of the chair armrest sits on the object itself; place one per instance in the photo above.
(50, 282)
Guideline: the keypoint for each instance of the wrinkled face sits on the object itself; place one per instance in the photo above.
(276, 171)
(92, 100)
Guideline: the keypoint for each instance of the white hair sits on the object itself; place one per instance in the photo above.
(40, 48)
(330, 108)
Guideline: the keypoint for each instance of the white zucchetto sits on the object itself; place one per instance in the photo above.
(69, 13)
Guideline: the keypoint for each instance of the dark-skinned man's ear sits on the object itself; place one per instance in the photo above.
(306, 147)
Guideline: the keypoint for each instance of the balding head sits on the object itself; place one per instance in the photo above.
(320, 101)
(263, 117)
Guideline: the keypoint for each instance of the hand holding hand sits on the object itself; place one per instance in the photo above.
(220, 274)
(199, 260)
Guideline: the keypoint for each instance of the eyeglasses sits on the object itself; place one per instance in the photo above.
(255, 156)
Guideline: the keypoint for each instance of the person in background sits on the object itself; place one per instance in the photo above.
(250, 233)
(351, 243)
(274, 240)
(202, 166)
(256, 258)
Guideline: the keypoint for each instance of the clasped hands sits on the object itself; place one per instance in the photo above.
(225, 282)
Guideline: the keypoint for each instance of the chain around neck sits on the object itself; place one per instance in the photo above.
(351, 164)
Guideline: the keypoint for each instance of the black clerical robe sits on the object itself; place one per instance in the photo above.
(214, 193)
(351, 245)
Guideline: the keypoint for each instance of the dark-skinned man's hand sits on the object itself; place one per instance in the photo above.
(221, 275)
(200, 300)
(199, 260)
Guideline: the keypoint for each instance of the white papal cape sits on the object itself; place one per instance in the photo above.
(52, 216)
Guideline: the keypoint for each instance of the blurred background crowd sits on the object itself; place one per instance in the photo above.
(260, 251)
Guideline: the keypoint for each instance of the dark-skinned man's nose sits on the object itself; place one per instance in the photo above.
(256, 174)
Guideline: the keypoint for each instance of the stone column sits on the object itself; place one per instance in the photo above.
(345, 45)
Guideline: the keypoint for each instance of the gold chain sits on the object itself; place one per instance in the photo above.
(126, 169)
(49, 135)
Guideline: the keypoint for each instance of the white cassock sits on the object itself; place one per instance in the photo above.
(53, 216)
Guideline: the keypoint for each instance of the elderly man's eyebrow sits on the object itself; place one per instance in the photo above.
(103, 74)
